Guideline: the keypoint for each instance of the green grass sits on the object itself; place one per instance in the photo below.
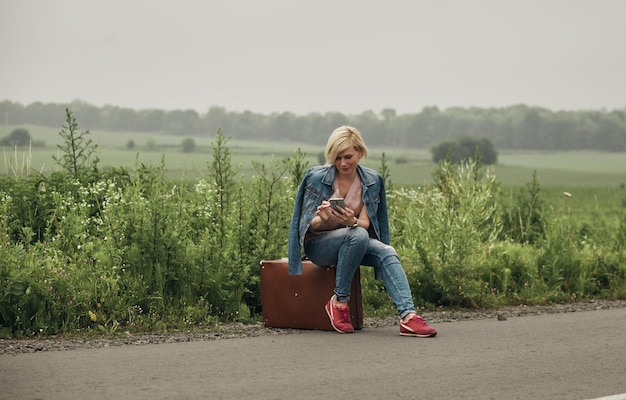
(581, 161)
(408, 166)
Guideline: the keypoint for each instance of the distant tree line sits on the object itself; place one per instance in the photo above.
(519, 127)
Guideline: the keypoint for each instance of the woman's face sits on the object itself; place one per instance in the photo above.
(347, 161)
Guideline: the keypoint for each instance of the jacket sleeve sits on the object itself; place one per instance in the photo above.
(295, 256)
(383, 216)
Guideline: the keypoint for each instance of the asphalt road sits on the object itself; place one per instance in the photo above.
(579, 355)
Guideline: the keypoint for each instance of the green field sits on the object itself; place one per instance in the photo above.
(408, 166)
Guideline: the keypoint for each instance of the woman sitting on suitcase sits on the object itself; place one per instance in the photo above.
(349, 236)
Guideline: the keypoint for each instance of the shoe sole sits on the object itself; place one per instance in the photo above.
(418, 335)
(331, 320)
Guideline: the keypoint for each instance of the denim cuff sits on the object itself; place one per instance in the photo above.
(342, 299)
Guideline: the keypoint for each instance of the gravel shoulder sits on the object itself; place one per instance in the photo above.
(240, 330)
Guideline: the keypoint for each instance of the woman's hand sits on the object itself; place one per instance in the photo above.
(324, 211)
(346, 217)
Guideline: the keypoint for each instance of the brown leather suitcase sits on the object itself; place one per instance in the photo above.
(297, 301)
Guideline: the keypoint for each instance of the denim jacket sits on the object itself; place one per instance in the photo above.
(316, 186)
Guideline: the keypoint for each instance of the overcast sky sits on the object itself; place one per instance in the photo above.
(315, 56)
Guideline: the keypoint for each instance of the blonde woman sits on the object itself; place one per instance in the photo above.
(349, 236)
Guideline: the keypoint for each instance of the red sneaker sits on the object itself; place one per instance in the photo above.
(339, 317)
(416, 327)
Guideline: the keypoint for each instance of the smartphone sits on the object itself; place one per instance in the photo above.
(335, 203)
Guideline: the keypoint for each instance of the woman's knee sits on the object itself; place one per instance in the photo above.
(385, 251)
(359, 235)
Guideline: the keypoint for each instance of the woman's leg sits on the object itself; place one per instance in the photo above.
(385, 259)
(343, 248)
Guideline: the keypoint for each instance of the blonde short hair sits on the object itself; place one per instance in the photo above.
(341, 139)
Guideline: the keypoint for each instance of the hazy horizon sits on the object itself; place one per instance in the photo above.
(346, 56)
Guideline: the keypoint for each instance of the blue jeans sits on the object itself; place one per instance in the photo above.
(347, 249)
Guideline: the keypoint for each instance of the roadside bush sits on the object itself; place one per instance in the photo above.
(445, 233)
(143, 252)
(523, 216)
(512, 275)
